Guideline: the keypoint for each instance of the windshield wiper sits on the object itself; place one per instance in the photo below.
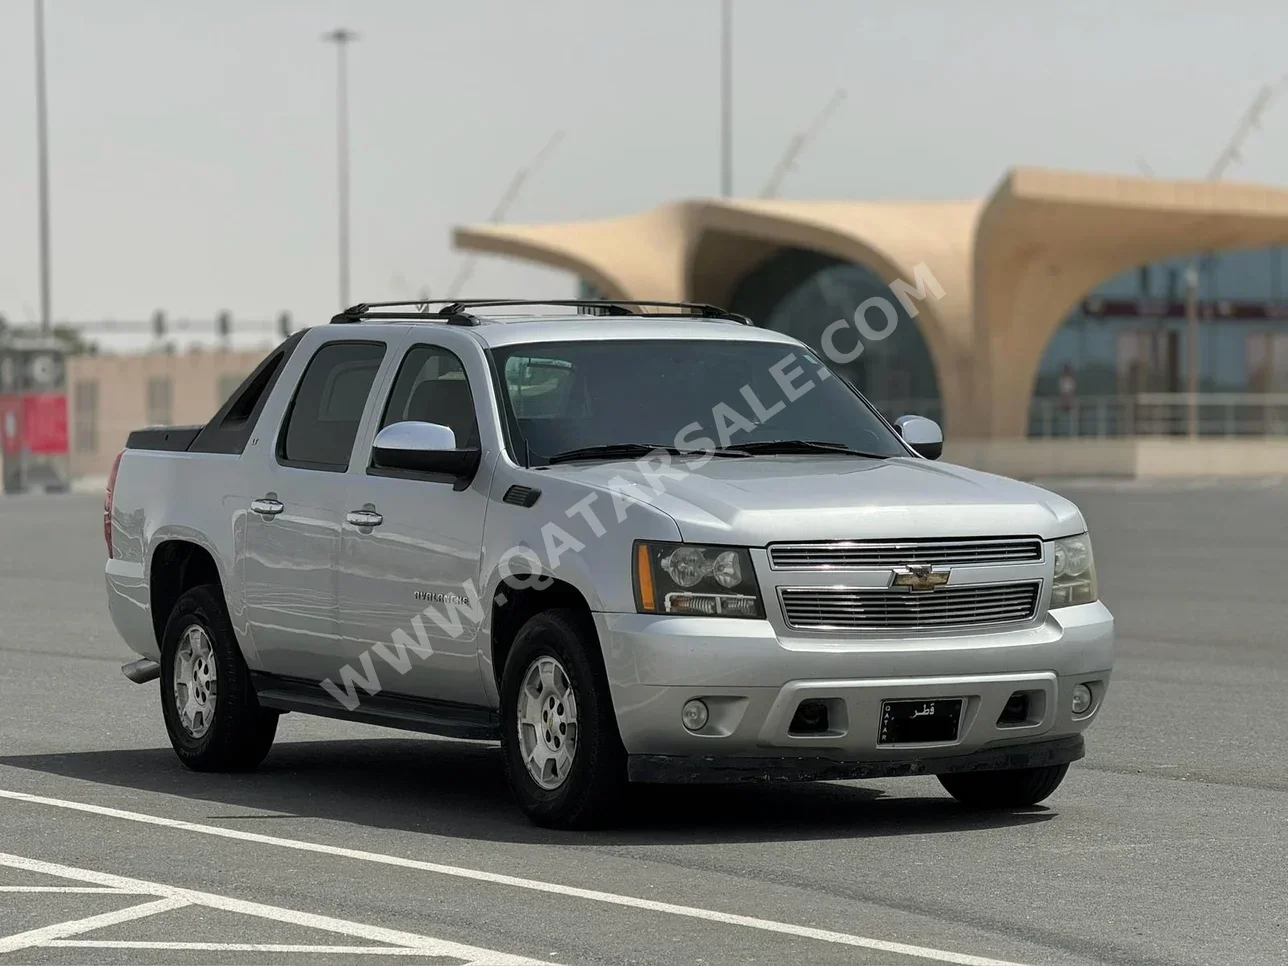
(787, 446)
(613, 451)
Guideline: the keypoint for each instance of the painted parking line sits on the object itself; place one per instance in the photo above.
(493, 878)
(78, 890)
(234, 947)
(170, 898)
(61, 930)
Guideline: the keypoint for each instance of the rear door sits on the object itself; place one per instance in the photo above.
(291, 557)
(409, 584)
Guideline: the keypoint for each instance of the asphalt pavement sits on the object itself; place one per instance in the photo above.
(1168, 844)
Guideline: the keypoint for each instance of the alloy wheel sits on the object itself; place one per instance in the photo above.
(547, 722)
(196, 681)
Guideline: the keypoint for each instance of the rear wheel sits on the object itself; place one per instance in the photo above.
(563, 755)
(211, 712)
(1016, 788)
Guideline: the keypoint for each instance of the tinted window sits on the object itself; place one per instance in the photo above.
(232, 426)
(431, 387)
(323, 419)
(569, 395)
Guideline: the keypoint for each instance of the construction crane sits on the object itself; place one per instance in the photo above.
(798, 143)
(1249, 122)
(508, 197)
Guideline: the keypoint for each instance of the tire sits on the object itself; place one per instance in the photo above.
(234, 733)
(1018, 788)
(591, 784)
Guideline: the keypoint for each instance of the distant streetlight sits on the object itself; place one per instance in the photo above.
(726, 99)
(42, 168)
(342, 37)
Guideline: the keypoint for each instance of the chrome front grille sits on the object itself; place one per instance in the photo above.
(877, 554)
(847, 608)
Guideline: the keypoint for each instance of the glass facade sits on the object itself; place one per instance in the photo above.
(1127, 341)
(800, 293)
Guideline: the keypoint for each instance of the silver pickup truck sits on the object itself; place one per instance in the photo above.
(664, 547)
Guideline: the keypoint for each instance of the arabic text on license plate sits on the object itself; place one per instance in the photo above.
(921, 721)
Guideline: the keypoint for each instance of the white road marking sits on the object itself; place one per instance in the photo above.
(174, 897)
(235, 947)
(38, 937)
(67, 889)
(669, 908)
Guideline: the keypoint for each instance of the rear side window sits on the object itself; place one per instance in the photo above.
(231, 428)
(323, 419)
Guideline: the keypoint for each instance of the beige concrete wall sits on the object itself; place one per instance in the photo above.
(195, 381)
(1029, 459)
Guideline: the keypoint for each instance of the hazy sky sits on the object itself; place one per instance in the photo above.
(193, 143)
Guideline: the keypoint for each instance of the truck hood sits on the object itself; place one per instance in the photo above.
(763, 499)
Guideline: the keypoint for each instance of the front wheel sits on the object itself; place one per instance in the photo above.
(211, 712)
(563, 755)
(1016, 788)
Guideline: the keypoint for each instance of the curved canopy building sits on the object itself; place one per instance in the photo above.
(1058, 287)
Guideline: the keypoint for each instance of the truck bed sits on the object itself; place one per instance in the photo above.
(169, 439)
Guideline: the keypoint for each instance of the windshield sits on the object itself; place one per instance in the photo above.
(693, 395)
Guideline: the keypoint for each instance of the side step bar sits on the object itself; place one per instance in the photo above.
(141, 671)
(444, 718)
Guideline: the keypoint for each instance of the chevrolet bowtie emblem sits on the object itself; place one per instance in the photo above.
(920, 578)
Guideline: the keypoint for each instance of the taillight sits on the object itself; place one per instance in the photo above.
(107, 503)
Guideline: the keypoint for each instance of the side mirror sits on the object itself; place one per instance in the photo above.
(922, 434)
(423, 447)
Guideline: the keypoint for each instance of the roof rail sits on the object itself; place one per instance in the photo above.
(454, 312)
(356, 313)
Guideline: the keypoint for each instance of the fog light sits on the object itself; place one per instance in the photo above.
(1081, 699)
(810, 719)
(694, 714)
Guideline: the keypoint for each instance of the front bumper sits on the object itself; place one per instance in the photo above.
(684, 770)
(753, 680)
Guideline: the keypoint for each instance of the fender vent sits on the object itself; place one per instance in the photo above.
(521, 495)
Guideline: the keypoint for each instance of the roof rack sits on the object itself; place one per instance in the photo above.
(454, 312)
(363, 310)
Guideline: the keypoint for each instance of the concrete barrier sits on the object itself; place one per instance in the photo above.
(1136, 458)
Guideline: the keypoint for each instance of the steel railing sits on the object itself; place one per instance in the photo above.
(1227, 415)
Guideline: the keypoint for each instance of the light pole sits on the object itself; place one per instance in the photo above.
(726, 99)
(342, 37)
(42, 168)
(1192, 342)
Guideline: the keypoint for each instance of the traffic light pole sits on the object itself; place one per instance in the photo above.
(42, 167)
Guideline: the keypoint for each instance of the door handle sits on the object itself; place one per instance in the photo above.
(364, 518)
(268, 507)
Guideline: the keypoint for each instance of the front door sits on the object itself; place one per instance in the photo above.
(409, 579)
(298, 492)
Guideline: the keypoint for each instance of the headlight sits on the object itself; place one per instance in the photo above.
(1075, 572)
(680, 578)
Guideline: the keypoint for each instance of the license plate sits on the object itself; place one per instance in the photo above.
(919, 722)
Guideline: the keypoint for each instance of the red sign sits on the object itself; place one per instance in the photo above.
(45, 424)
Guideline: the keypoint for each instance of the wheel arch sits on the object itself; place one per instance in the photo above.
(176, 567)
(515, 601)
